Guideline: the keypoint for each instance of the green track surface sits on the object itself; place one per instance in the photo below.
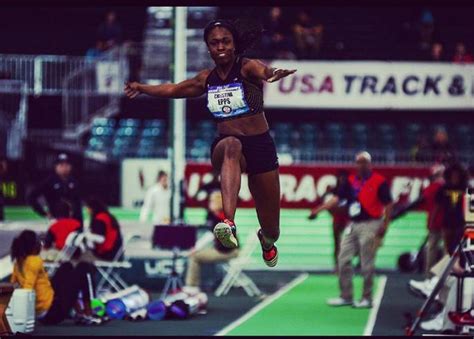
(303, 311)
(303, 243)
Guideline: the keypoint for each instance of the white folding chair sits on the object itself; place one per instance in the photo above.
(73, 241)
(235, 277)
(110, 270)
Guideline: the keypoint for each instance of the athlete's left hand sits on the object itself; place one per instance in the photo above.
(280, 73)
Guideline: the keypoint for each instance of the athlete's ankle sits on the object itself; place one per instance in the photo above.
(229, 222)
(267, 243)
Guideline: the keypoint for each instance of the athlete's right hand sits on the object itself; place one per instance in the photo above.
(131, 89)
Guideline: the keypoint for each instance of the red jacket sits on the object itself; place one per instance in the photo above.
(368, 194)
(111, 234)
(61, 229)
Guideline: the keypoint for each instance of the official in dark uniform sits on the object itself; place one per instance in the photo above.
(58, 186)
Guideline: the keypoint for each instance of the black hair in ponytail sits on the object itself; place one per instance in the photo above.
(27, 243)
(246, 32)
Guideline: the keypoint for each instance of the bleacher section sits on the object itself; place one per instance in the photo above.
(150, 138)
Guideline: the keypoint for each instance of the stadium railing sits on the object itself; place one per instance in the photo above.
(13, 122)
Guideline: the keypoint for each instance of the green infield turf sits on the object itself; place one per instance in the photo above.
(303, 244)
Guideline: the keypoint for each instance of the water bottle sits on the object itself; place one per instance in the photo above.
(156, 310)
(98, 307)
(116, 309)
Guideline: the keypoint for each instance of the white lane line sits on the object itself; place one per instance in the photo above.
(257, 308)
(376, 305)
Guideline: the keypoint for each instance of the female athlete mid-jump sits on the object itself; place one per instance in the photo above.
(234, 91)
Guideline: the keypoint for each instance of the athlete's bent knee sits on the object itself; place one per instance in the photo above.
(232, 148)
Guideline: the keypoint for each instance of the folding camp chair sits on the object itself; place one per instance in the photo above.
(235, 277)
(110, 270)
(73, 241)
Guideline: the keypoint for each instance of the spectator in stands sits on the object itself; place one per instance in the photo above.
(441, 149)
(94, 52)
(461, 55)
(59, 186)
(62, 227)
(340, 218)
(426, 30)
(420, 151)
(105, 229)
(437, 52)
(276, 37)
(110, 31)
(367, 195)
(308, 36)
(54, 298)
(158, 200)
(3, 172)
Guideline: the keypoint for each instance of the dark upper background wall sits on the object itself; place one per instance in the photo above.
(62, 30)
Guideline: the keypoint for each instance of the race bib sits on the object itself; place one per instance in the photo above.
(227, 100)
(354, 209)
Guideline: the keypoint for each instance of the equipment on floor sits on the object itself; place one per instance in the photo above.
(156, 310)
(125, 302)
(21, 311)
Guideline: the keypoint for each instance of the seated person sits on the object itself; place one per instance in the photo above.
(204, 254)
(62, 227)
(56, 297)
(105, 228)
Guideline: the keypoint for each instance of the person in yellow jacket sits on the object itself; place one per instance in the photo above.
(54, 298)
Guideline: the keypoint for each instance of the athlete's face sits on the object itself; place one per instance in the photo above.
(221, 45)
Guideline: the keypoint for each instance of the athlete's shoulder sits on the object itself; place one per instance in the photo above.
(203, 76)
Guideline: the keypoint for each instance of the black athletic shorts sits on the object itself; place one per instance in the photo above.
(259, 151)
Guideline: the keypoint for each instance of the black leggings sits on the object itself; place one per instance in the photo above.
(67, 282)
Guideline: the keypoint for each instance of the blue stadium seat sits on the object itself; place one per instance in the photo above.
(104, 122)
(155, 123)
(127, 132)
(336, 136)
(129, 123)
(103, 131)
(385, 137)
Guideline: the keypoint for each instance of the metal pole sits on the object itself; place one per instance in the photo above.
(178, 114)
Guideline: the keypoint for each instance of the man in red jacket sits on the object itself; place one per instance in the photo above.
(367, 195)
(64, 225)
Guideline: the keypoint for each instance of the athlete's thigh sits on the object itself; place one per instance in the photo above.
(217, 156)
(265, 189)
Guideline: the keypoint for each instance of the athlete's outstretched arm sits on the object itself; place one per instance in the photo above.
(188, 88)
(258, 70)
